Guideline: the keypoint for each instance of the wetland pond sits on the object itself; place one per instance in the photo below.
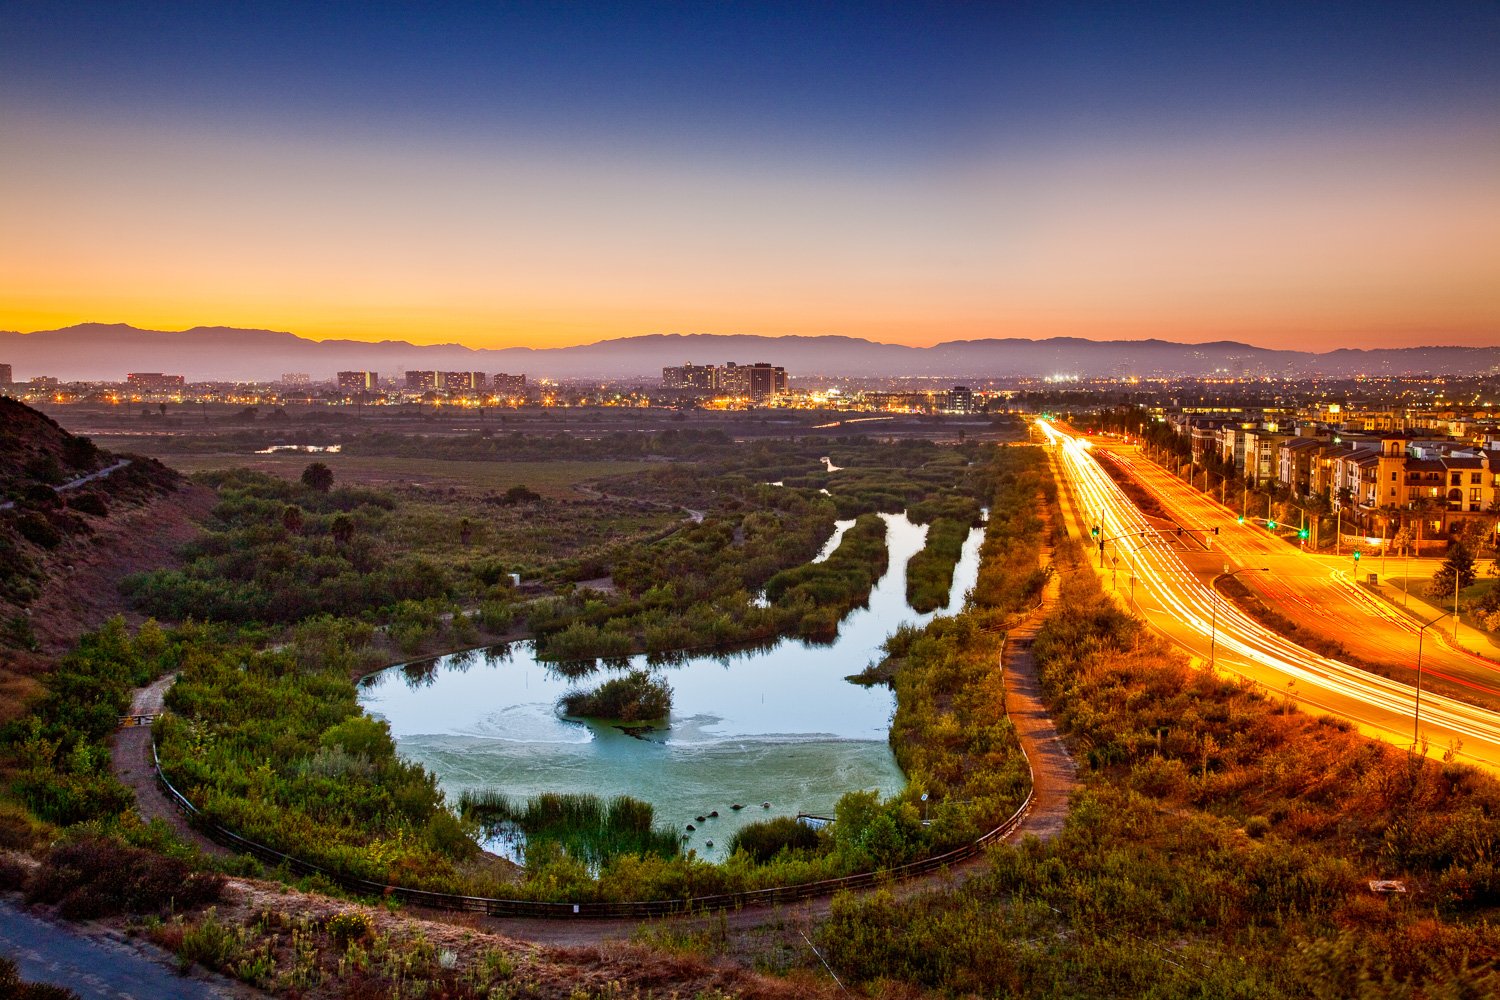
(777, 724)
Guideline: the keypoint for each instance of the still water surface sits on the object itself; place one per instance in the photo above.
(778, 724)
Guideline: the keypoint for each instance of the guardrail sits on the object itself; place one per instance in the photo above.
(590, 909)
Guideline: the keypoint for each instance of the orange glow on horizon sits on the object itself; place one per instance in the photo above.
(1304, 243)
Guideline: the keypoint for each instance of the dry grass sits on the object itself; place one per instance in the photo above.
(614, 969)
(551, 479)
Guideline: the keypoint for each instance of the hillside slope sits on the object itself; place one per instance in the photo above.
(74, 520)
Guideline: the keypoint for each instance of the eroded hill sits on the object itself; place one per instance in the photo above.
(74, 520)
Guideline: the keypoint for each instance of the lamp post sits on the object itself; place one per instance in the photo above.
(1416, 717)
(1213, 625)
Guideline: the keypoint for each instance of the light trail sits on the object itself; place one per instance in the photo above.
(1322, 592)
(1379, 706)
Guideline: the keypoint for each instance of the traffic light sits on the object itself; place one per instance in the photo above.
(1356, 555)
(1216, 529)
(1271, 525)
(1302, 534)
(1094, 531)
(1240, 519)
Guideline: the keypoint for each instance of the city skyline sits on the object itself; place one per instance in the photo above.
(1289, 177)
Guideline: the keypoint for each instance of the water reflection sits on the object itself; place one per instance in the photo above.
(776, 724)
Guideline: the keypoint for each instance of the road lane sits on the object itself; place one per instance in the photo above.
(1317, 592)
(1195, 617)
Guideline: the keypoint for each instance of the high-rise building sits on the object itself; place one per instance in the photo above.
(732, 380)
(358, 381)
(961, 399)
(295, 378)
(421, 381)
(690, 376)
(762, 380)
(509, 385)
(155, 381)
(5, 376)
(758, 381)
(460, 381)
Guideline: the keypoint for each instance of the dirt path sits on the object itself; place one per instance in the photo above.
(1054, 776)
(130, 760)
(1053, 773)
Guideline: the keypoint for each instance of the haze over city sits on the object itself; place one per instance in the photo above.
(1291, 176)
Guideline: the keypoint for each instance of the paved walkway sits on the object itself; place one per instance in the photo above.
(81, 480)
(100, 966)
(1423, 610)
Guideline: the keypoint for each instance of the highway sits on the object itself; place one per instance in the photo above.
(1153, 575)
(1317, 592)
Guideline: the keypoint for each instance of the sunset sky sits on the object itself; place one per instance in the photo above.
(1311, 175)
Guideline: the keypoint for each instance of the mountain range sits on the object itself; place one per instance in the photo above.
(107, 351)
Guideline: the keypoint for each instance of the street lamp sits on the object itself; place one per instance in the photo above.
(1417, 711)
(1213, 625)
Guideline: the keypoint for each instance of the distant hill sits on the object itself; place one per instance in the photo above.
(106, 352)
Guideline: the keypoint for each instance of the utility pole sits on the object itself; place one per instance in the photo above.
(1416, 717)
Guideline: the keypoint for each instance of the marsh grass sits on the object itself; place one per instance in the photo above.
(588, 827)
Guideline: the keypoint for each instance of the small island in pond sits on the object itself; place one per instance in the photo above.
(634, 697)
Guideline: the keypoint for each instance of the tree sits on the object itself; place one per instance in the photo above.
(1459, 565)
(318, 476)
(291, 518)
(342, 529)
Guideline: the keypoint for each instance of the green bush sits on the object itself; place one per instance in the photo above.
(765, 839)
(637, 696)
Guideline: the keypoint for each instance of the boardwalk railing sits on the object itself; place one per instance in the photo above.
(621, 910)
(589, 909)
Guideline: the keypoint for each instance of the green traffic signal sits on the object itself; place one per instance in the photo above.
(1240, 520)
(1356, 555)
(1302, 533)
(1094, 532)
(1271, 525)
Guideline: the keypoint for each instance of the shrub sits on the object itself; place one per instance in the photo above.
(37, 530)
(350, 926)
(12, 986)
(765, 839)
(89, 503)
(95, 877)
(635, 697)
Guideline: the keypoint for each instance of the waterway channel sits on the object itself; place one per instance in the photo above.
(777, 725)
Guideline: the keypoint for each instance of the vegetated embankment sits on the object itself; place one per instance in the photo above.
(1223, 845)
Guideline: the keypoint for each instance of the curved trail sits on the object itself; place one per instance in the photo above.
(1053, 775)
(1053, 778)
(130, 760)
